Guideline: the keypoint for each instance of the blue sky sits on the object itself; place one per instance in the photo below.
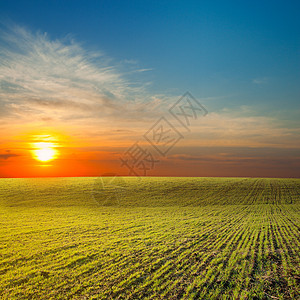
(89, 63)
(247, 53)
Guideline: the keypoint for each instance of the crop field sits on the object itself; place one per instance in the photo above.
(149, 238)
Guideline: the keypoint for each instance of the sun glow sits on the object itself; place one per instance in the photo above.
(44, 152)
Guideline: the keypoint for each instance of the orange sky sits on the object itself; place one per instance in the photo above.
(91, 115)
(196, 154)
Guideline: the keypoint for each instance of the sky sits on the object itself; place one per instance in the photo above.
(90, 88)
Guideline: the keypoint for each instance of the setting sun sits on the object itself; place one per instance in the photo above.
(44, 152)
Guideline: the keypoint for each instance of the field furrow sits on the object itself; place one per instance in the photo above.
(165, 238)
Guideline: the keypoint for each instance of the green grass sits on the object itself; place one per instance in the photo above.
(150, 238)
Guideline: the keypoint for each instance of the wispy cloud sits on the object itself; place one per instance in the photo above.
(58, 79)
(142, 70)
(260, 80)
(241, 127)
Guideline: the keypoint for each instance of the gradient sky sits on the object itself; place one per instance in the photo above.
(92, 77)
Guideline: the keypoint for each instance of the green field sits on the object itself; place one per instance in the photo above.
(150, 238)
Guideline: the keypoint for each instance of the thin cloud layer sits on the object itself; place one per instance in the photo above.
(58, 79)
(229, 129)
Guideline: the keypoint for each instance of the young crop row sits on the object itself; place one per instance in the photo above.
(147, 192)
(211, 252)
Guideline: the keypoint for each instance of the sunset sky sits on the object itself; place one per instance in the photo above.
(84, 83)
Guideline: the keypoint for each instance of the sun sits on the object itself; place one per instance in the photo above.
(44, 152)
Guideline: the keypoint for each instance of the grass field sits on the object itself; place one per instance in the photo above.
(150, 238)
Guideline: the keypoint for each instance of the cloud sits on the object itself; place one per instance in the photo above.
(243, 127)
(47, 79)
(237, 161)
(7, 156)
(143, 70)
(260, 80)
